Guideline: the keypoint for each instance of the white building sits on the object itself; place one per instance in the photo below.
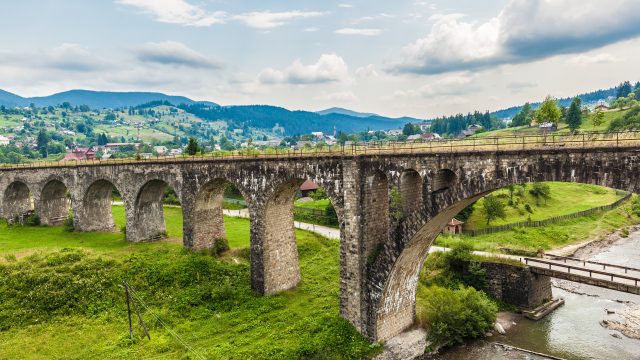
(4, 141)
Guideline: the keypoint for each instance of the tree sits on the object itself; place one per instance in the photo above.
(192, 147)
(574, 114)
(410, 129)
(548, 111)
(623, 90)
(493, 208)
(540, 191)
(597, 118)
(524, 117)
(42, 142)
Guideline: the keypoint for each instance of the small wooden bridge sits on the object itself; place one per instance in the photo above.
(610, 276)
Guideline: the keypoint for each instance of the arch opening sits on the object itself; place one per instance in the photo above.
(443, 180)
(54, 203)
(97, 214)
(149, 219)
(410, 191)
(18, 201)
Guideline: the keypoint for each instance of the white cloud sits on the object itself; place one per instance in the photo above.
(269, 20)
(65, 57)
(340, 96)
(328, 68)
(523, 31)
(345, 6)
(311, 29)
(176, 54)
(362, 32)
(368, 71)
(451, 85)
(587, 59)
(177, 12)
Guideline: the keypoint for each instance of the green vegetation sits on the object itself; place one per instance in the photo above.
(63, 302)
(450, 300)
(595, 226)
(563, 199)
(493, 208)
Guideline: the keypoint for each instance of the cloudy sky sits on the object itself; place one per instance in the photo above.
(418, 58)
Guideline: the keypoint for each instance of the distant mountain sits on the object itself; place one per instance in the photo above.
(343, 111)
(293, 122)
(93, 99)
(11, 100)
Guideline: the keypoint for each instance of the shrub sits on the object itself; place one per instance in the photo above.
(220, 245)
(32, 220)
(528, 208)
(453, 315)
(67, 225)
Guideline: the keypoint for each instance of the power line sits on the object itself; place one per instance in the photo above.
(167, 328)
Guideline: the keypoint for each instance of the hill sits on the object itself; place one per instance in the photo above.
(343, 111)
(106, 99)
(11, 100)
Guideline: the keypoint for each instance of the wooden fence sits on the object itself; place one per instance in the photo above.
(549, 221)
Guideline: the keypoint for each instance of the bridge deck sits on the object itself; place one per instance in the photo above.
(556, 141)
(610, 276)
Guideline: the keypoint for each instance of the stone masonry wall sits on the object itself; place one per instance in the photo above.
(517, 285)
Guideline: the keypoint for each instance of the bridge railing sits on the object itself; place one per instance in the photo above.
(575, 269)
(585, 262)
(553, 141)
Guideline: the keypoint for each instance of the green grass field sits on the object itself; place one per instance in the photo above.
(550, 237)
(316, 204)
(74, 309)
(566, 198)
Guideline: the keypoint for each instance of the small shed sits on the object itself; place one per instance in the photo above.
(454, 226)
(308, 187)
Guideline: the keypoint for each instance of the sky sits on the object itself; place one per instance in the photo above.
(395, 58)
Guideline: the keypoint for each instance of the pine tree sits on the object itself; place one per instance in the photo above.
(192, 147)
(574, 114)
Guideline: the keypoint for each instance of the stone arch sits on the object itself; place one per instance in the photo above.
(17, 200)
(207, 219)
(376, 219)
(410, 191)
(54, 203)
(148, 222)
(443, 180)
(96, 213)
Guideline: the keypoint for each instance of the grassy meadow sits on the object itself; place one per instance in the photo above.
(61, 299)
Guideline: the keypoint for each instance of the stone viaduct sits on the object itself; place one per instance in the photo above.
(381, 251)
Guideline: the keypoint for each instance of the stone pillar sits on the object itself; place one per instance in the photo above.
(145, 222)
(92, 210)
(274, 252)
(203, 217)
(351, 257)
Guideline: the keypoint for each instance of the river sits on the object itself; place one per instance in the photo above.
(573, 331)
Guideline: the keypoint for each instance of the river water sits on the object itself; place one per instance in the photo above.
(573, 331)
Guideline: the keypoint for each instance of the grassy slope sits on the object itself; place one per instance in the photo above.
(587, 125)
(566, 198)
(316, 204)
(553, 236)
(288, 325)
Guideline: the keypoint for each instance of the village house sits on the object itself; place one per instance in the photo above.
(80, 153)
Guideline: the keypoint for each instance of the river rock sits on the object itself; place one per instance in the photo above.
(499, 329)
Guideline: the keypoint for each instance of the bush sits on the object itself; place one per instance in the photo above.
(528, 208)
(67, 225)
(220, 245)
(32, 220)
(453, 315)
